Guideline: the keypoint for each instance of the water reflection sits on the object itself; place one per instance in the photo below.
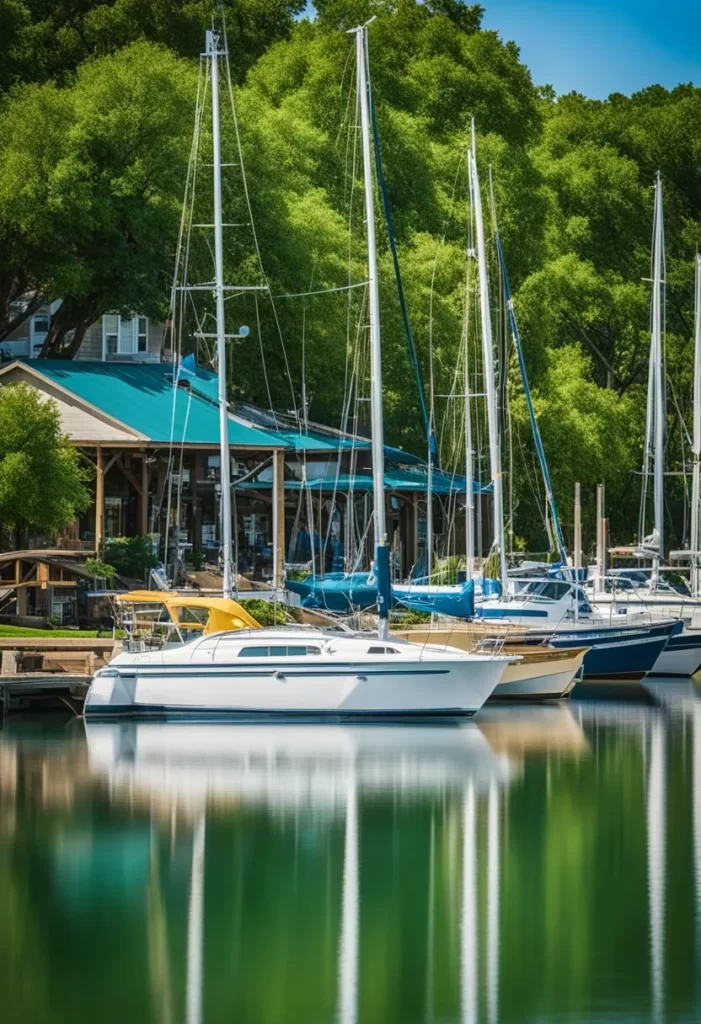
(538, 865)
(656, 860)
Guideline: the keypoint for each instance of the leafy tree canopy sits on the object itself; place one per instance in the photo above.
(42, 480)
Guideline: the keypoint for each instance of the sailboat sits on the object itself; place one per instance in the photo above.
(682, 656)
(558, 611)
(299, 671)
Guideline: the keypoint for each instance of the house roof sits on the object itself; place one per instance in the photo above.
(143, 398)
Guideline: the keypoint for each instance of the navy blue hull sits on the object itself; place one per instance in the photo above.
(616, 652)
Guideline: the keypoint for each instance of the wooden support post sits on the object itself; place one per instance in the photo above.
(143, 497)
(197, 501)
(415, 532)
(279, 519)
(99, 502)
(577, 527)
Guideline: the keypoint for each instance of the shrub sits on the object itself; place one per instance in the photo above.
(131, 556)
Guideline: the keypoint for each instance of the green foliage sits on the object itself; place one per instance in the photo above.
(131, 556)
(297, 574)
(100, 569)
(57, 634)
(197, 560)
(90, 189)
(43, 483)
(42, 41)
(408, 618)
(267, 613)
(92, 172)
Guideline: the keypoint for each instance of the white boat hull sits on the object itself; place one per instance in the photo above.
(194, 682)
(681, 656)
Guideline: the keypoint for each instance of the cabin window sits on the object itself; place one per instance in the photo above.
(382, 650)
(278, 652)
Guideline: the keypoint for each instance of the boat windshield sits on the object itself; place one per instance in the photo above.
(546, 590)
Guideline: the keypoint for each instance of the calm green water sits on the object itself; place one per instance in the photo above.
(540, 865)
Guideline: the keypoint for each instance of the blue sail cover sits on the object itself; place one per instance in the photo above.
(344, 593)
(337, 591)
(460, 604)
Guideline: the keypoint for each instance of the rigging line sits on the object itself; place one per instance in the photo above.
(262, 360)
(321, 291)
(345, 119)
(189, 204)
(177, 337)
(250, 213)
(427, 414)
(183, 215)
(180, 479)
(550, 496)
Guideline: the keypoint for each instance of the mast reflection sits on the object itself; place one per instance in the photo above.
(656, 852)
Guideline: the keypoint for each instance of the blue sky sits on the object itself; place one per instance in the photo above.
(598, 48)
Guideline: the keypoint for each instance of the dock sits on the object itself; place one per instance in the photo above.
(41, 670)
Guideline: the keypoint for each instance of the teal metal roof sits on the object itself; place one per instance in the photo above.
(142, 396)
(395, 480)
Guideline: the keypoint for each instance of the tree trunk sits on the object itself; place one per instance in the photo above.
(72, 315)
(13, 286)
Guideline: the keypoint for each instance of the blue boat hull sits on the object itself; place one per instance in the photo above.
(616, 652)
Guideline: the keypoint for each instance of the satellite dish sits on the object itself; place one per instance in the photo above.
(244, 331)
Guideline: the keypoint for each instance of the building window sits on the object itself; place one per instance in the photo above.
(142, 334)
(110, 330)
(123, 335)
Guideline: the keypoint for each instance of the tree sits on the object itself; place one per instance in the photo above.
(90, 187)
(47, 40)
(43, 483)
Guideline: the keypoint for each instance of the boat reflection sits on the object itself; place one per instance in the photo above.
(287, 766)
(524, 729)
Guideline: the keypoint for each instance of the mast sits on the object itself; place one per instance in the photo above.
(658, 388)
(513, 325)
(213, 52)
(489, 384)
(469, 453)
(378, 455)
(696, 441)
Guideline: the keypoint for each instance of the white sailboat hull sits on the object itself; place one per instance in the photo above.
(408, 681)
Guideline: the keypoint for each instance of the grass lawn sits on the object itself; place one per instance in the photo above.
(56, 634)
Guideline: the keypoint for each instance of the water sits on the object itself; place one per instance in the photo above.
(538, 865)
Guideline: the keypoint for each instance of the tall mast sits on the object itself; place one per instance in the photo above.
(378, 454)
(469, 454)
(658, 389)
(489, 385)
(213, 52)
(696, 441)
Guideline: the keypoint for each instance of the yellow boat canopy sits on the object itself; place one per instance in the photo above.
(223, 614)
